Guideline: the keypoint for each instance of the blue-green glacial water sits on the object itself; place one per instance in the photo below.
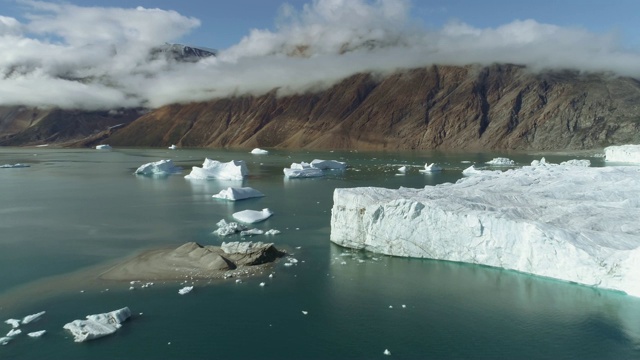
(73, 212)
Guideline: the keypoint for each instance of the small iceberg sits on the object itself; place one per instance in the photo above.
(13, 322)
(252, 216)
(14, 332)
(238, 193)
(213, 169)
(228, 228)
(158, 168)
(4, 340)
(13, 166)
(33, 318)
(37, 334)
(185, 290)
(501, 161)
(428, 168)
(472, 171)
(258, 151)
(328, 164)
(172, 147)
(402, 169)
(576, 162)
(99, 325)
(302, 170)
(103, 147)
(251, 232)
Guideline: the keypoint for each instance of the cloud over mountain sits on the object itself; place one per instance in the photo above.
(99, 58)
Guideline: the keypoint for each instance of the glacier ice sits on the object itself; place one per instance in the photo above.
(33, 318)
(13, 322)
(103, 147)
(471, 171)
(313, 169)
(185, 290)
(623, 153)
(258, 151)
(577, 224)
(328, 164)
(252, 216)
(309, 172)
(37, 334)
(158, 168)
(213, 169)
(98, 325)
(228, 228)
(501, 161)
(431, 168)
(577, 162)
(238, 193)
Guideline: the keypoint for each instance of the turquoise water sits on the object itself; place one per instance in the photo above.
(73, 211)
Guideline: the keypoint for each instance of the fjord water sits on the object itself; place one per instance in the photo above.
(74, 212)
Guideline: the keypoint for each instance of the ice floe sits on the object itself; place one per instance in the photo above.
(577, 162)
(103, 147)
(623, 153)
(14, 332)
(272, 232)
(33, 318)
(428, 168)
(471, 171)
(228, 228)
(158, 168)
(213, 169)
(252, 216)
(13, 166)
(5, 340)
(501, 161)
(98, 325)
(13, 322)
(172, 147)
(251, 232)
(37, 334)
(258, 151)
(238, 193)
(578, 224)
(185, 290)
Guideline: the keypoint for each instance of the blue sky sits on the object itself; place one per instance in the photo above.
(224, 23)
(96, 54)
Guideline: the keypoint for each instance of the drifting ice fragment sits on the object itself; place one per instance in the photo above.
(304, 312)
(103, 147)
(501, 161)
(576, 162)
(309, 172)
(14, 332)
(402, 169)
(225, 228)
(32, 318)
(238, 193)
(98, 325)
(431, 168)
(262, 284)
(13, 322)
(213, 169)
(272, 232)
(9, 166)
(36, 334)
(387, 352)
(185, 290)
(4, 340)
(251, 232)
(258, 151)
(328, 164)
(252, 216)
(159, 168)
(172, 147)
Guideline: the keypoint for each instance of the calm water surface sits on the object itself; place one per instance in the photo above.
(75, 211)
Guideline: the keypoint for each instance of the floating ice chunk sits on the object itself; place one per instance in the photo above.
(228, 228)
(541, 162)
(13, 322)
(576, 162)
(37, 334)
(103, 147)
(172, 147)
(309, 172)
(159, 168)
(33, 318)
(262, 284)
(251, 232)
(272, 232)
(431, 168)
(304, 312)
(328, 164)
(14, 332)
(570, 223)
(238, 281)
(258, 151)
(252, 216)
(623, 153)
(300, 166)
(238, 193)
(501, 161)
(4, 340)
(12, 166)
(213, 169)
(99, 325)
(402, 169)
(185, 290)
(472, 171)
(386, 352)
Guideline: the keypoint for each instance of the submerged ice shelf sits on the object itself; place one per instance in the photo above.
(566, 222)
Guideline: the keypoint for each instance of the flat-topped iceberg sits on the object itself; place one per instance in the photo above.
(252, 216)
(99, 325)
(158, 168)
(328, 164)
(623, 153)
(238, 193)
(213, 169)
(103, 147)
(578, 224)
(501, 161)
(299, 171)
(258, 151)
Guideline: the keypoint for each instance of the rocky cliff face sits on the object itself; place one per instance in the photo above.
(439, 107)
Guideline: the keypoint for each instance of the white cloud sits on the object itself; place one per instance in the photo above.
(89, 57)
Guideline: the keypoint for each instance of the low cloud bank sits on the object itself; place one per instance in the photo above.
(92, 58)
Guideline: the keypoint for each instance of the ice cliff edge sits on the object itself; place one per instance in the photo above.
(570, 223)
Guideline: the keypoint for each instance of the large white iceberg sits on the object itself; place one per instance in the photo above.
(213, 169)
(577, 224)
(252, 216)
(158, 168)
(238, 193)
(99, 325)
(623, 153)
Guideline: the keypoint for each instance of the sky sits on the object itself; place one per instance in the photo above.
(94, 54)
